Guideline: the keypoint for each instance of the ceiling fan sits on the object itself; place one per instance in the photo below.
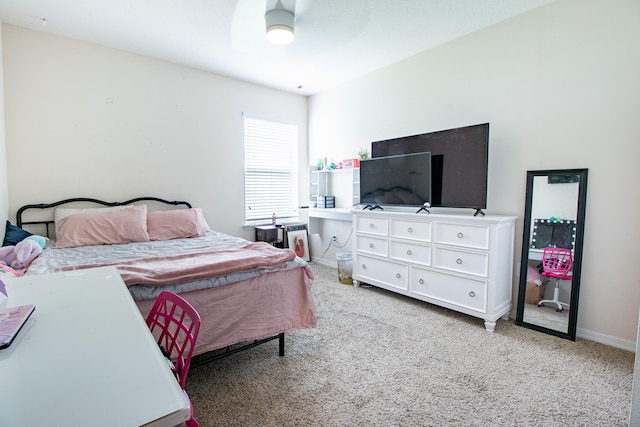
(280, 24)
(316, 26)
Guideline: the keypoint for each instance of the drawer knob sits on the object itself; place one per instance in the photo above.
(459, 261)
(364, 266)
(371, 225)
(472, 294)
(371, 245)
(421, 281)
(410, 230)
(398, 275)
(460, 235)
(409, 252)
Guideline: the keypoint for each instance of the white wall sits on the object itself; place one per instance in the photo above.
(88, 121)
(559, 200)
(560, 89)
(4, 198)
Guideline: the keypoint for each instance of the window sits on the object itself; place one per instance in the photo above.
(270, 169)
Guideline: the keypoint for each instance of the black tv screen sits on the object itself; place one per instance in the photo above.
(459, 163)
(396, 180)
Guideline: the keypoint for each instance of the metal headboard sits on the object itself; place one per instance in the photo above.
(47, 222)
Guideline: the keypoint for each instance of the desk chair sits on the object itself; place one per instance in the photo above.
(557, 263)
(175, 324)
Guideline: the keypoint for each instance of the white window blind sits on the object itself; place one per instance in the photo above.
(270, 169)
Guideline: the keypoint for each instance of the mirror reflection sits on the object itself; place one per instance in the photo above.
(552, 240)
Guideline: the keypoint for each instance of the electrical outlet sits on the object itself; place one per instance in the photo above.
(334, 238)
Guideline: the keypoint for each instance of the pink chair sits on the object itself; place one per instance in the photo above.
(175, 324)
(557, 263)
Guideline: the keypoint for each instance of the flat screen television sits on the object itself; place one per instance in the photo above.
(396, 180)
(459, 163)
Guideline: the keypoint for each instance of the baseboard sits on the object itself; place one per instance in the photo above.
(325, 262)
(606, 339)
(599, 338)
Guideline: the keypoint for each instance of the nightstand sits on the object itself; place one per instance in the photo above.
(273, 234)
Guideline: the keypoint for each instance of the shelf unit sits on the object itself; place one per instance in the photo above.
(344, 184)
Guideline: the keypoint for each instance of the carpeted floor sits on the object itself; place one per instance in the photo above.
(380, 359)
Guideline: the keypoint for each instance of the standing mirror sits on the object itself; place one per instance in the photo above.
(553, 233)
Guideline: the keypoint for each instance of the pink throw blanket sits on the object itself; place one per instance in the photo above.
(177, 269)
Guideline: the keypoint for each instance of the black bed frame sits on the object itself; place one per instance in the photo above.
(210, 356)
(20, 221)
(198, 360)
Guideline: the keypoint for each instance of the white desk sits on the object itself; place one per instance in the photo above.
(85, 357)
(535, 254)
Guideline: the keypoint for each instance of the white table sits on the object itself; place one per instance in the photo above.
(85, 357)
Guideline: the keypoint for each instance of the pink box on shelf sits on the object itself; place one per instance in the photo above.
(351, 163)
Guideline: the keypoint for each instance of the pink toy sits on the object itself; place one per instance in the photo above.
(20, 255)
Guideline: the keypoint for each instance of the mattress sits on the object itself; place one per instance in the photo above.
(52, 260)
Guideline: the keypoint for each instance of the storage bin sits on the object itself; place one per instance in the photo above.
(326, 201)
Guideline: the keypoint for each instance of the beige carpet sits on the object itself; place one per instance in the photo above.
(379, 359)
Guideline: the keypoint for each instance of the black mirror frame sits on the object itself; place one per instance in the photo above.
(577, 256)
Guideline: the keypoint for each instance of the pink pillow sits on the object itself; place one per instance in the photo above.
(176, 224)
(104, 228)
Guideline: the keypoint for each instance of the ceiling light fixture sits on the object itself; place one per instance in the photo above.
(279, 23)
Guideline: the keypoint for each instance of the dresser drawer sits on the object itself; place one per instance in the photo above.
(461, 261)
(369, 225)
(415, 230)
(389, 273)
(470, 236)
(371, 245)
(409, 252)
(460, 291)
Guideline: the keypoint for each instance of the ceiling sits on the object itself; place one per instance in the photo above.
(336, 40)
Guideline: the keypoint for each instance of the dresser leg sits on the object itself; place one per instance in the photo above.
(489, 325)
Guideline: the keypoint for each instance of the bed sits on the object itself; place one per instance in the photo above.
(246, 293)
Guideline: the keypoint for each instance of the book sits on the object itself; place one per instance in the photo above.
(12, 319)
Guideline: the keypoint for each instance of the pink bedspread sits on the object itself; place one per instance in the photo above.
(177, 269)
(255, 308)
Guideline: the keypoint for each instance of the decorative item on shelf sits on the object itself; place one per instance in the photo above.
(363, 154)
(351, 163)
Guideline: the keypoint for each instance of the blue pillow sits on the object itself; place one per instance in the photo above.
(13, 235)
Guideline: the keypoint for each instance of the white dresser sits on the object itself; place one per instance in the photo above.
(461, 262)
